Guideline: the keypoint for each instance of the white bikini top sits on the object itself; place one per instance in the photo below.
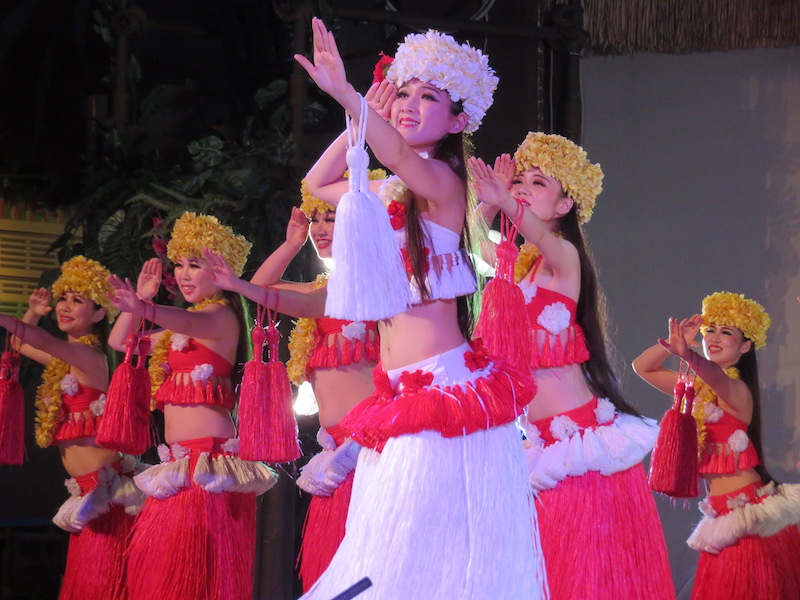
(449, 273)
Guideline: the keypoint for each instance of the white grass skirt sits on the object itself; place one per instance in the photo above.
(435, 518)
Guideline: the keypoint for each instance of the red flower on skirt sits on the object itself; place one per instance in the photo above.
(397, 214)
(383, 387)
(476, 359)
(413, 381)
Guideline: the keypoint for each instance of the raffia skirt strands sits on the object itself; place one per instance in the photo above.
(441, 518)
(749, 545)
(99, 517)
(601, 534)
(195, 536)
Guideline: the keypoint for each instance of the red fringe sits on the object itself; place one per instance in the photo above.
(177, 392)
(12, 414)
(602, 539)
(503, 323)
(450, 410)
(328, 355)
(554, 351)
(193, 546)
(673, 465)
(125, 426)
(323, 531)
(95, 558)
(86, 425)
(753, 568)
(719, 459)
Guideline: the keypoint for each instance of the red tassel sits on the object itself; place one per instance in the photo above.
(125, 426)
(674, 466)
(12, 411)
(267, 425)
(503, 321)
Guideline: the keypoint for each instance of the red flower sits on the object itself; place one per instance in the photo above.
(412, 382)
(397, 214)
(157, 222)
(383, 387)
(159, 246)
(476, 359)
(407, 259)
(379, 73)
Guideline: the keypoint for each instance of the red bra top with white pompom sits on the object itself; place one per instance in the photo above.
(727, 448)
(82, 414)
(558, 339)
(338, 342)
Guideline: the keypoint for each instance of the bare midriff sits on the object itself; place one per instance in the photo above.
(339, 389)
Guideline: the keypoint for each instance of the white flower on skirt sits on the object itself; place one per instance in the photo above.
(706, 508)
(605, 411)
(69, 384)
(164, 455)
(98, 407)
(231, 446)
(562, 427)
(529, 290)
(713, 412)
(354, 330)
(738, 441)
(72, 486)
(201, 373)
(179, 341)
(179, 451)
(554, 317)
(738, 501)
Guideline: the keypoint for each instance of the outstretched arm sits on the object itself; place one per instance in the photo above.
(296, 300)
(276, 263)
(430, 179)
(649, 364)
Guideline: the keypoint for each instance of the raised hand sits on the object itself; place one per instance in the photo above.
(380, 98)
(124, 297)
(149, 279)
(224, 276)
(327, 70)
(39, 302)
(505, 169)
(488, 186)
(676, 343)
(690, 328)
(297, 229)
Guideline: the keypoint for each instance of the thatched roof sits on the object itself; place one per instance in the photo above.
(677, 26)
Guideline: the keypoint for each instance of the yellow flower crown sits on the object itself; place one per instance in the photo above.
(734, 310)
(192, 233)
(558, 157)
(88, 278)
(311, 204)
(459, 69)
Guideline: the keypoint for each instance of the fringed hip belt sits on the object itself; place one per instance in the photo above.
(91, 495)
(592, 437)
(755, 510)
(209, 463)
(326, 471)
(454, 394)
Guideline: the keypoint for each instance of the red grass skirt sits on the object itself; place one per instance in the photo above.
(602, 538)
(95, 564)
(194, 545)
(753, 567)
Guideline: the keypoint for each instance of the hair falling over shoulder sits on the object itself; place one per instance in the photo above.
(748, 373)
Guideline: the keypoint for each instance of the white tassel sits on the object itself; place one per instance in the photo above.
(368, 281)
(165, 480)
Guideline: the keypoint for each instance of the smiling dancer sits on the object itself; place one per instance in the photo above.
(748, 539)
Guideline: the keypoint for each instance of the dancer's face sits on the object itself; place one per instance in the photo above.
(544, 194)
(321, 232)
(423, 114)
(195, 279)
(724, 345)
(76, 314)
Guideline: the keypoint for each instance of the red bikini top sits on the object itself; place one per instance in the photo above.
(727, 446)
(558, 339)
(338, 342)
(208, 380)
(79, 419)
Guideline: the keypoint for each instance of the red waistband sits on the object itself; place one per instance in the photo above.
(338, 434)
(750, 492)
(91, 480)
(205, 444)
(583, 416)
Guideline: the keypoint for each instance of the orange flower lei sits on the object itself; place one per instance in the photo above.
(160, 354)
(48, 395)
(301, 340)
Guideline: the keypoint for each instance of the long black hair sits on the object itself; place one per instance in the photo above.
(244, 346)
(748, 373)
(453, 149)
(592, 317)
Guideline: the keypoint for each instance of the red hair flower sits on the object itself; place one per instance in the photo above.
(397, 214)
(382, 66)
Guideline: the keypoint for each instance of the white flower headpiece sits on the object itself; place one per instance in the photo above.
(459, 69)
